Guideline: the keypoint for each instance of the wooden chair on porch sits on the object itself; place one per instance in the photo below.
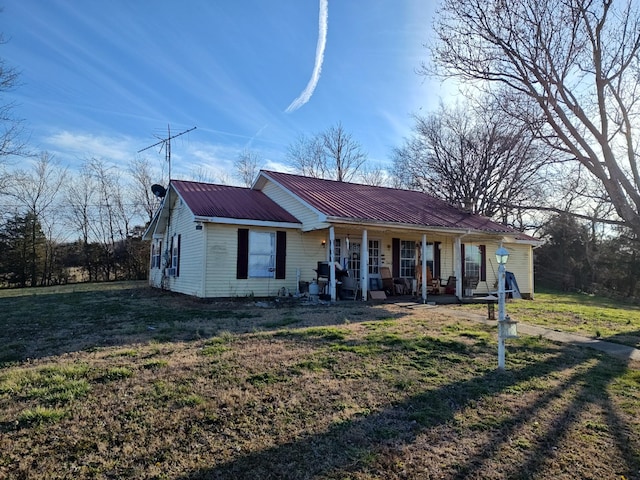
(450, 287)
(433, 284)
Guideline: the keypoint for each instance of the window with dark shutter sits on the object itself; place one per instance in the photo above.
(474, 261)
(242, 265)
(436, 259)
(281, 255)
(395, 257)
(178, 258)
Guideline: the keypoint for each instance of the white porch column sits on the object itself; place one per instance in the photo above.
(364, 265)
(457, 265)
(332, 264)
(424, 268)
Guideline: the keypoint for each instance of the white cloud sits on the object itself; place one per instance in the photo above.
(306, 94)
(86, 145)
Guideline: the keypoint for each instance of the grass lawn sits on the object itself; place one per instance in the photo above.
(587, 315)
(128, 382)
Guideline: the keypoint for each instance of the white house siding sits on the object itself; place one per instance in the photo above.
(190, 279)
(521, 265)
(518, 264)
(304, 250)
(221, 252)
(308, 217)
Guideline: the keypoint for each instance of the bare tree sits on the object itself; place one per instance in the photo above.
(143, 176)
(247, 166)
(344, 154)
(332, 154)
(206, 175)
(306, 155)
(11, 130)
(576, 60)
(37, 192)
(373, 175)
(109, 226)
(478, 159)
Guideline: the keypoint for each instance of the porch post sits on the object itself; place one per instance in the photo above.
(424, 268)
(457, 265)
(332, 265)
(364, 266)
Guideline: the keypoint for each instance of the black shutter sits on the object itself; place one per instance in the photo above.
(462, 258)
(436, 259)
(483, 263)
(242, 265)
(395, 257)
(281, 255)
(178, 261)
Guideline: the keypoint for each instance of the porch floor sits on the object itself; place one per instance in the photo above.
(437, 299)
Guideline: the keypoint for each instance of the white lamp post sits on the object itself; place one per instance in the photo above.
(506, 327)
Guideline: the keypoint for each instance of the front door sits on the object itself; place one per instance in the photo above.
(352, 256)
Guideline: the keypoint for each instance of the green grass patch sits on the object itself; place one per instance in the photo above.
(124, 353)
(321, 333)
(40, 415)
(117, 373)
(266, 378)
(51, 385)
(155, 363)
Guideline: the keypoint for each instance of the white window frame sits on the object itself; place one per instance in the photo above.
(374, 256)
(472, 261)
(262, 254)
(156, 255)
(174, 252)
(407, 258)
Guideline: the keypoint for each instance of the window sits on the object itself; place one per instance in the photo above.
(353, 263)
(411, 258)
(156, 255)
(407, 259)
(429, 257)
(473, 261)
(174, 270)
(262, 254)
(336, 243)
(174, 253)
(374, 256)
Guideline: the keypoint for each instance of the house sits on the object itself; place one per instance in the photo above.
(220, 241)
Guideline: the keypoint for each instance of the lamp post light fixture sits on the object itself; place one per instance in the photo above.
(507, 328)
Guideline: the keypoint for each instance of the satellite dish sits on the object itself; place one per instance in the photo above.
(158, 190)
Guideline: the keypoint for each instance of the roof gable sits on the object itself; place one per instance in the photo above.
(366, 203)
(223, 201)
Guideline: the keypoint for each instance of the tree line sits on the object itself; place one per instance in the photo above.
(59, 226)
(543, 137)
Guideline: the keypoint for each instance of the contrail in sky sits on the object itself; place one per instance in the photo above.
(305, 96)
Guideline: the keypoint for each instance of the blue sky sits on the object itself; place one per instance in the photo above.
(104, 79)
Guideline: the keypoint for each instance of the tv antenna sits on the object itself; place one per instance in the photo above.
(166, 144)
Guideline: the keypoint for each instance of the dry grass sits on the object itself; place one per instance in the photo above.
(139, 384)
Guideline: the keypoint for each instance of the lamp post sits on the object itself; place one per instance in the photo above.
(502, 255)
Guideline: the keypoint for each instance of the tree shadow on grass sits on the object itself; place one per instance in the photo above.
(352, 447)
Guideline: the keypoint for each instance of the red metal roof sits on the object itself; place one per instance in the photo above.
(365, 203)
(208, 200)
